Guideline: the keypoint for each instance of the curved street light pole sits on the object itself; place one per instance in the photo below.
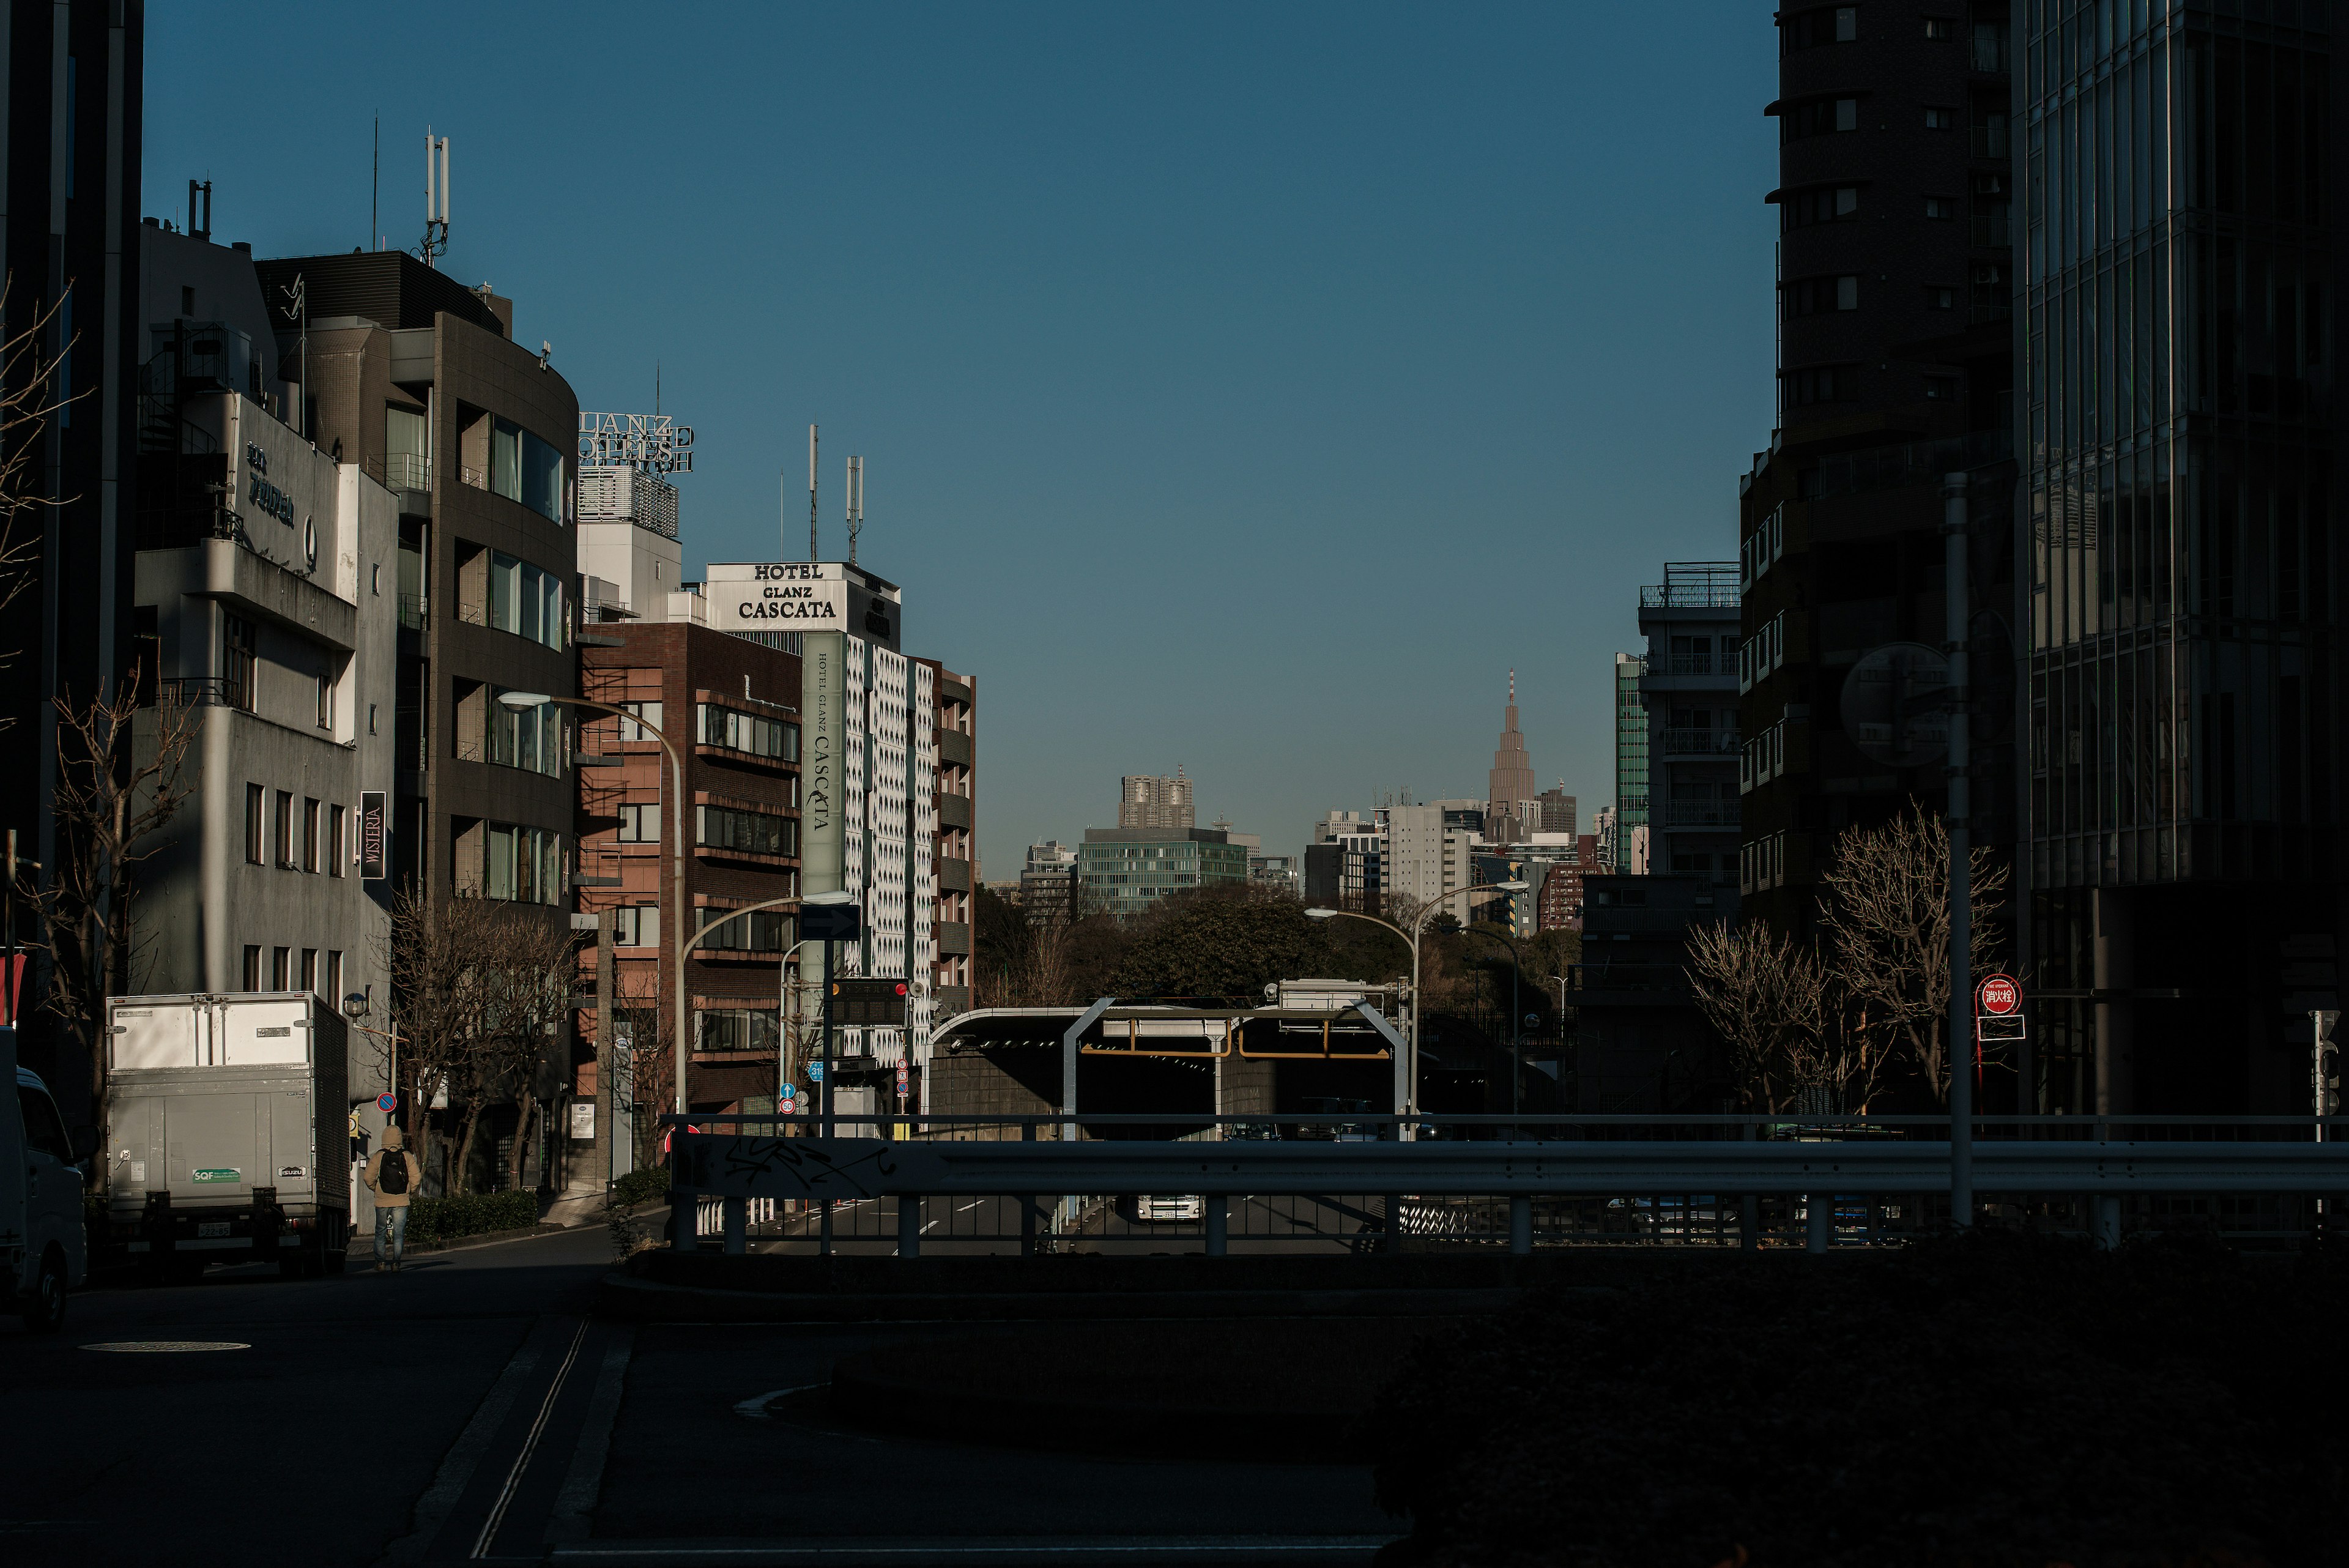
(1409, 1087)
(520, 702)
(1517, 1019)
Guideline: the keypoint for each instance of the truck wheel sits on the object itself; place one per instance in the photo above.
(330, 1255)
(290, 1266)
(45, 1309)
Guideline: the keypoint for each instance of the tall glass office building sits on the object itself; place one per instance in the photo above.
(1630, 746)
(2177, 336)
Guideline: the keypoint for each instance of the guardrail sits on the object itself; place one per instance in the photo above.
(1357, 1180)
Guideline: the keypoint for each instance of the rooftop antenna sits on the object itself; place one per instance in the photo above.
(811, 494)
(375, 189)
(203, 230)
(855, 504)
(436, 196)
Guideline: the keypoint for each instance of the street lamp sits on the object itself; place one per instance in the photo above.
(1407, 1074)
(1516, 1020)
(521, 702)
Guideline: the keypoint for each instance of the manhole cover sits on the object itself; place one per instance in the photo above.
(167, 1346)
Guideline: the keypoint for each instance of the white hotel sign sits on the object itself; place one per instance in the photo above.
(777, 596)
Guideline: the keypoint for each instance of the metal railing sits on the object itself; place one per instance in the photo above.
(414, 609)
(1699, 742)
(202, 691)
(1338, 1182)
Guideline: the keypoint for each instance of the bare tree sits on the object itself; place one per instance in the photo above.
(524, 963)
(28, 399)
(120, 784)
(1769, 1000)
(1887, 916)
(652, 1059)
(440, 997)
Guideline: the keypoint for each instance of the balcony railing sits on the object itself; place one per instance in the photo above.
(201, 692)
(1700, 743)
(1677, 816)
(473, 476)
(414, 610)
(401, 471)
(1692, 664)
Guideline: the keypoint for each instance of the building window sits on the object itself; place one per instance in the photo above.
(1822, 204)
(1829, 24)
(1940, 298)
(309, 835)
(637, 925)
(1940, 207)
(335, 849)
(747, 832)
(630, 730)
(281, 969)
(310, 970)
(525, 600)
(326, 701)
(240, 662)
(285, 832)
(254, 827)
(334, 987)
(640, 822)
(1940, 28)
(521, 864)
(760, 932)
(1941, 389)
(1822, 384)
(530, 739)
(525, 469)
(1820, 117)
(1816, 296)
(251, 980)
(739, 731)
(739, 1028)
(1941, 120)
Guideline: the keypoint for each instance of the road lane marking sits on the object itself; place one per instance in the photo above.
(582, 1484)
(529, 1446)
(167, 1346)
(755, 1409)
(457, 1465)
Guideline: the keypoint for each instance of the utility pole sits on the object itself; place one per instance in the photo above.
(1957, 615)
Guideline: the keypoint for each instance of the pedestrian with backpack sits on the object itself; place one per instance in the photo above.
(391, 1175)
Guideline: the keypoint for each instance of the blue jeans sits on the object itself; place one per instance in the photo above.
(390, 1223)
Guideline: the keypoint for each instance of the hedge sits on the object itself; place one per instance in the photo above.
(642, 1185)
(471, 1214)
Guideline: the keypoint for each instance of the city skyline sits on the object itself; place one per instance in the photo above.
(1288, 305)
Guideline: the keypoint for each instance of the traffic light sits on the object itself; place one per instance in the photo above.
(869, 1002)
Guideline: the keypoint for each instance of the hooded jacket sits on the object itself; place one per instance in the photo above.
(373, 1175)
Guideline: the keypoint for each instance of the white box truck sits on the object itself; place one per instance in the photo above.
(229, 1137)
(43, 1244)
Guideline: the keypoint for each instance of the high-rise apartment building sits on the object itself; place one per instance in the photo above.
(1556, 810)
(417, 378)
(1630, 807)
(1430, 850)
(1895, 357)
(1511, 811)
(69, 233)
(1344, 865)
(1047, 881)
(1688, 684)
(1145, 800)
(2180, 616)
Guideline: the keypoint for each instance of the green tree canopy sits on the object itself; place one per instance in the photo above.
(1223, 946)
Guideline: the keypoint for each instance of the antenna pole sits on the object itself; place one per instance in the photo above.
(812, 548)
(375, 190)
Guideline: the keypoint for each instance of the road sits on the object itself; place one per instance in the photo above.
(470, 1409)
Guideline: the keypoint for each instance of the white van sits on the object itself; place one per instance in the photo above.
(41, 1237)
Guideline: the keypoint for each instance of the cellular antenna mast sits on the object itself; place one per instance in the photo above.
(855, 504)
(436, 196)
(811, 493)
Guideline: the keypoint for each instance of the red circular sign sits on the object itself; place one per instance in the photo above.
(1999, 996)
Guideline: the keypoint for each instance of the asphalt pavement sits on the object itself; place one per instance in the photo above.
(469, 1409)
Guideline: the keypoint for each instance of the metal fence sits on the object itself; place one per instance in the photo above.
(1354, 1182)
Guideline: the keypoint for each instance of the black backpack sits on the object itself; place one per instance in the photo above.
(391, 1172)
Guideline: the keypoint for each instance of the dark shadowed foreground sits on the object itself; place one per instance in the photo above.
(1995, 1400)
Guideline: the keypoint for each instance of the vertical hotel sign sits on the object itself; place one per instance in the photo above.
(823, 842)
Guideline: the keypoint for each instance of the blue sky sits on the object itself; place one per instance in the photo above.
(1247, 387)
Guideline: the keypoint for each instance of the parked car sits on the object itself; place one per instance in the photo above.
(41, 1236)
